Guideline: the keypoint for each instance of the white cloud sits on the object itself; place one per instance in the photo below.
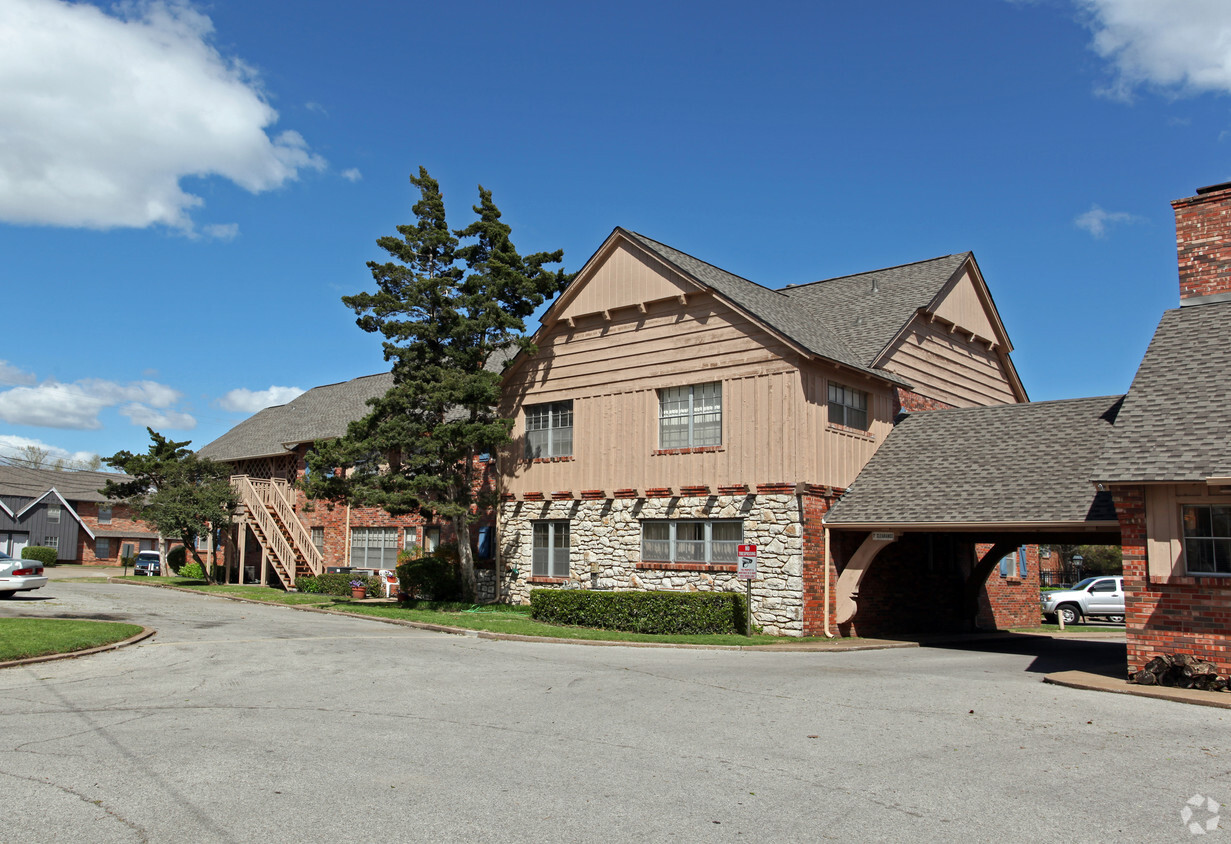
(1097, 221)
(1182, 46)
(250, 401)
(53, 404)
(104, 115)
(221, 231)
(10, 374)
(147, 417)
(12, 446)
(352, 174)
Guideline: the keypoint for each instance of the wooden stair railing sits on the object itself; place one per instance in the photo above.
(269, 533)
(277, 494)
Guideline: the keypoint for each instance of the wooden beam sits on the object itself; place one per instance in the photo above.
(852, 575)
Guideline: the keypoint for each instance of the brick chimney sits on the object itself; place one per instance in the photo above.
(1203, 242)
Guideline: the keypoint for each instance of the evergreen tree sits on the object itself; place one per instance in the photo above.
(179, 493)
(451, 315)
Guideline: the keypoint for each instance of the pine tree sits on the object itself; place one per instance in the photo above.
(451, 315)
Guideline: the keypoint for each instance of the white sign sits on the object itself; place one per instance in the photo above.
(747, 557)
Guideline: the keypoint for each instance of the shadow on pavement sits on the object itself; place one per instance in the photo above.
(1051, 654)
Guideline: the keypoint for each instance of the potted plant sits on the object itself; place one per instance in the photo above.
(358, 590)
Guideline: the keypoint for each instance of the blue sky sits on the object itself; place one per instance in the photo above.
(186, 190)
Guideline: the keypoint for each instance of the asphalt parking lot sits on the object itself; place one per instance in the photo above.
(240, 722)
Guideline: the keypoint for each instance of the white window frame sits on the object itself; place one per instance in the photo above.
(1219, 543)
(317, 535)
(52, 542)
(713, 552)
(549, 429)
(845, 401)
(693, 411)
(549, 548)
(104, 514)
(54, 512)
(431, 539)
(377, 550)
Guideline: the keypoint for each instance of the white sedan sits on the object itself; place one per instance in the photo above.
(19, 576)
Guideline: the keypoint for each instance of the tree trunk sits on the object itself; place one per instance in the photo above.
(465, 556)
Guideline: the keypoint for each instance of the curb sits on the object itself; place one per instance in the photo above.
(146, 632)
(516, 637)
(1095, 683)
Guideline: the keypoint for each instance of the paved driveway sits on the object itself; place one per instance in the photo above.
(249, 723)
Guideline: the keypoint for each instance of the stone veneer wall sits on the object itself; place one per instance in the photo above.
(607, 532)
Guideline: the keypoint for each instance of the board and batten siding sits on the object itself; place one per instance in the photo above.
(774, 403)
(947, 365)
(35, 524)
(1165, 525)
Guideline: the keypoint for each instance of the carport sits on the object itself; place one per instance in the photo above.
(950, 493)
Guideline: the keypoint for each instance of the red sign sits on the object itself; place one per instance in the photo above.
(747, 557)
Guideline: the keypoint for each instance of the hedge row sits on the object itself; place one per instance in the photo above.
(430, 579)
(676, 613)
(339, 584)
(46, 556)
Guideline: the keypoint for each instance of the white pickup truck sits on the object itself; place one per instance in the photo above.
(1095, 596)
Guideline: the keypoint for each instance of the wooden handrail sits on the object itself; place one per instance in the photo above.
(276, 493)
(254, 503)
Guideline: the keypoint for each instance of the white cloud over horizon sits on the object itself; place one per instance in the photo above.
(12, 446)
(76, 405)
(1181, 46)
(250, 401)
(105, 114)
(1097, 221)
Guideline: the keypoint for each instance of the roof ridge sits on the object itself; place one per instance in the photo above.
(975, 408)
(795, 287)
(699, 260)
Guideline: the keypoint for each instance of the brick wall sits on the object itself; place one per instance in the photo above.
(1203, 241)
(1011, 601)
(912, 402)
(1189, 615)
(814, 505)
(121, 520)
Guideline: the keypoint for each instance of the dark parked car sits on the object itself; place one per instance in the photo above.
(148, 563)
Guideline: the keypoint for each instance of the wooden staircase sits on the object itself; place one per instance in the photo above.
(269, 513)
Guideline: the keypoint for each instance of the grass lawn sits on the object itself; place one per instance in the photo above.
(496, 618)
(26, 637)
(1046, 627)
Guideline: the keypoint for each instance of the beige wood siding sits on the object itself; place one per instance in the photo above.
(623, 279)
(774, 404)
(963, 306)
(1165, 526)
(949, 366)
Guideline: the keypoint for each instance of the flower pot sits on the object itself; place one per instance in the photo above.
(358, 593)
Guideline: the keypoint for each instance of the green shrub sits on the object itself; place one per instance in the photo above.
(192, 570)
(46, 556)
(338, 584)
(176, 558)
(430, 578)
(673, 613)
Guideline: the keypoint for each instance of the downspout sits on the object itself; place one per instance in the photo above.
(825, 609)
(346, 539)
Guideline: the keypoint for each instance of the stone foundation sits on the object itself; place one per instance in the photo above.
(605, 550)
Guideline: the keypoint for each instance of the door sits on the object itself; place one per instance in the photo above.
(1106, 597)
(12, 543)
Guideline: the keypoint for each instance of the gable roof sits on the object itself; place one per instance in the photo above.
(870, 309)
(321, 413)
(1176, 421)
(70, 485)
(953, 468)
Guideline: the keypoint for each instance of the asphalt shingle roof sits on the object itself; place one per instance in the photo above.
(73, 485)
(1002, 464)
(841, 319)
(1176, 421)
(320, 413)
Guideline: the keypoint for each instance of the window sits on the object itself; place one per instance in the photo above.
(318, 540)
(549, 429)
(373, 547)
(51, 541)
(104, 514)
(848, 407)
(550, 549)
(102, 548)
(1207, 538)
(691, 416)
(1014, 564)
(53, 514)
(431, 539)
(484, 546)
(681, 541)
